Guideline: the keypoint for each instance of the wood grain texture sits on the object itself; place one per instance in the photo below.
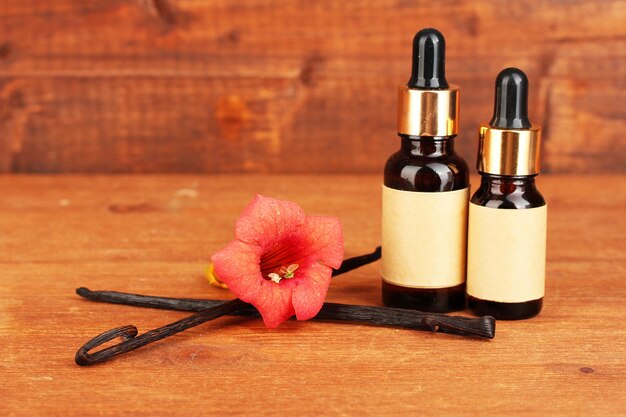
(155, 234)
(290, 86)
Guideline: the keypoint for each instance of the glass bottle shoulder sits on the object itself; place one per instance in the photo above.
(426, 166)
(508, 192)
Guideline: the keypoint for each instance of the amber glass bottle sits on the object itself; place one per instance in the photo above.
(507, 215)
(425, 192)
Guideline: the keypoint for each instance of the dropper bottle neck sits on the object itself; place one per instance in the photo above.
(431, 147)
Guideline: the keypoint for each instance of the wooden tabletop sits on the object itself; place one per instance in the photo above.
(155, 234)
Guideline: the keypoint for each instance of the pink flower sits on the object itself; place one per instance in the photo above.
(281, 260)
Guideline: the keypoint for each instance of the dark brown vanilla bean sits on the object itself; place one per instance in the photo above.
(130, 340)
(353, 263)
(379, 316)
(128, 334)
(212, 309)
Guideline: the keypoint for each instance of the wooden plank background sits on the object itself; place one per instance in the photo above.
(291, 86)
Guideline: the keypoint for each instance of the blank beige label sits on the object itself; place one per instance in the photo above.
(424, 238)
(506, 254)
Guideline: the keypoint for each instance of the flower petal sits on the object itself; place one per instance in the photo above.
(266, 221)
(275, 238)
(237, 265)
(274, 302)
(310, 289)
(320, 239)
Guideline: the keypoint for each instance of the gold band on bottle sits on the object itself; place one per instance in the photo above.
(508, 151)
(428, 112)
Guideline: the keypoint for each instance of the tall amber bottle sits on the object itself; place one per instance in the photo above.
(507, 214)
(426, 191)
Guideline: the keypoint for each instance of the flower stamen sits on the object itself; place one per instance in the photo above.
(283, 273)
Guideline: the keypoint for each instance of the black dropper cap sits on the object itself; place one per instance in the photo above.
(429, 56)
(511, 103)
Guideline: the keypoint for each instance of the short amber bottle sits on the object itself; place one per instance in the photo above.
(426, 190)
(507, 215)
